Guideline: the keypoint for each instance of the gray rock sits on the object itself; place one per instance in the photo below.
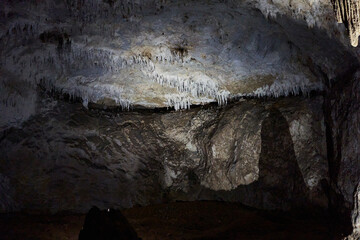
(266, 154)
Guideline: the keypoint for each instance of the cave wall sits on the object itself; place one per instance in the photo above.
(267, 154)
(343, 120)
(346, 116)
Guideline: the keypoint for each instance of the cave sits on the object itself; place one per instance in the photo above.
(179, 119)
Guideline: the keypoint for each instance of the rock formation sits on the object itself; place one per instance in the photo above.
(242, 152)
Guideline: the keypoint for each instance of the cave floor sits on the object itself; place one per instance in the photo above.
(179, 220)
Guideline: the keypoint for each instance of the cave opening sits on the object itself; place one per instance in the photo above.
(165, 119)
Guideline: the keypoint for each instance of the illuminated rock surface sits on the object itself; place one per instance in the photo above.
(269, 155)
(159, 54)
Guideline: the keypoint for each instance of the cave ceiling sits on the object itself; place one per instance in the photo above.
(154, 54)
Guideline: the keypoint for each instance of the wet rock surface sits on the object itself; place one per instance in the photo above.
(267, 154)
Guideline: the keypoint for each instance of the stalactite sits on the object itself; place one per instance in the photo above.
(285, 87)
(178, 101)
(348, 12)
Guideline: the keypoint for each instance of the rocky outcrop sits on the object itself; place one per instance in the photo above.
(267, 154)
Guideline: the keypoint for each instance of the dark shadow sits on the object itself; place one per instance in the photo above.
(107, 225)
(280, 179)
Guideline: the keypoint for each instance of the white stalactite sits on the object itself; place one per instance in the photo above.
(348, 12)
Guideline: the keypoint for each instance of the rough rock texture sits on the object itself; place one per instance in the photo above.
(267, 154)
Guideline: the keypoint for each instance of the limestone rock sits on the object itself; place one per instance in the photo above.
(70, 158)
(153, 54)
